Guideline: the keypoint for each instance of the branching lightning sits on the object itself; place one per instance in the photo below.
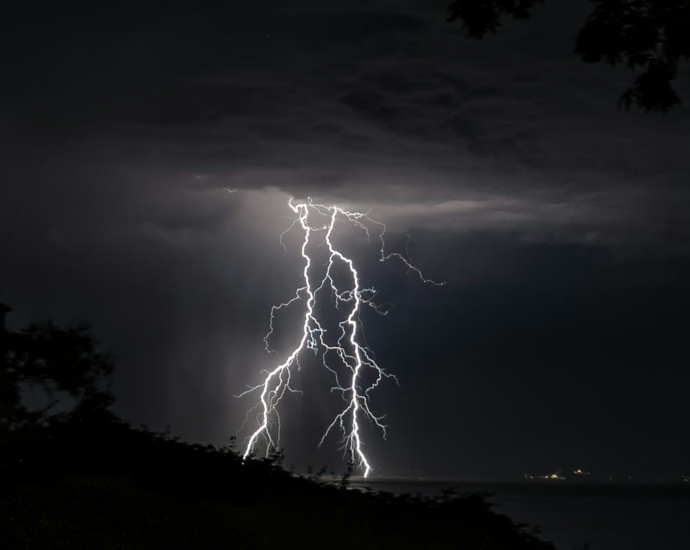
(350, 351)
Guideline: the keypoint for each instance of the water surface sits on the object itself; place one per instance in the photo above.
(608, 517)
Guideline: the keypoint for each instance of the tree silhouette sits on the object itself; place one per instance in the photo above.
(71, 480)
(62, 362)
(651, 37)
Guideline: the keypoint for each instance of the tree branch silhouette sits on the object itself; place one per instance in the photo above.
(649, 37)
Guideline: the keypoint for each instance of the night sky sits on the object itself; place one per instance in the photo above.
(560, 223)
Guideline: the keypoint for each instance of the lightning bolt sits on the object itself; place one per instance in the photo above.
(349, 351)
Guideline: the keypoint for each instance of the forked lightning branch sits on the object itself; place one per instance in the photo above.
(346, 352)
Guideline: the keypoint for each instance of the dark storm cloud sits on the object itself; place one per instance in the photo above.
(560, 223)
(362, 93)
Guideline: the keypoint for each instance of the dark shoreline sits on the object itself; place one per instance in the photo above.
(118, 487)
(585, 488)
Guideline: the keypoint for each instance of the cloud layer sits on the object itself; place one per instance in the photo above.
(548, 211)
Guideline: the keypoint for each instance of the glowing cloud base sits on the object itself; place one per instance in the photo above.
(349, 349)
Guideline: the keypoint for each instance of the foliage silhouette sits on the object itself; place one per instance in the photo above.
(649, 36)
(59, 361)
(46, 462)
(86, 479)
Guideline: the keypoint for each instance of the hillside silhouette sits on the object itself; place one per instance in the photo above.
(83, 478)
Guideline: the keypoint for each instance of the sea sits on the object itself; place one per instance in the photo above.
(606, 517)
